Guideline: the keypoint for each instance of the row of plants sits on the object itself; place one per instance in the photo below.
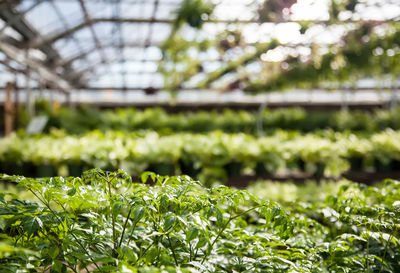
(130, 119)
(102, 222)
(217, 154)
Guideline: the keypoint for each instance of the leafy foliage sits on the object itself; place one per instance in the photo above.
(130, 119)
(356, 58)
(103, 222)
(193, 12)
(217, 154)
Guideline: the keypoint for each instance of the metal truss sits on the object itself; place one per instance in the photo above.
(60, 69)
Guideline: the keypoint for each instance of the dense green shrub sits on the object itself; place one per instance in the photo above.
(103, 222)
(85, 118)
(215, 154)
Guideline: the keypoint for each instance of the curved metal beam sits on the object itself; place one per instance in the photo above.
(82, 55)
(44, 72)
(39, 43)
(94, 34)
(42, 42)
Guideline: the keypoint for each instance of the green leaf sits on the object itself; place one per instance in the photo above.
(57, 266)
(116, 210)
(202, 242)
(151, 255)
(31, 224)
(71, 192)
(146, 175)
(220, 218)
(192, 233)
(129, 254)
(124, 175)
(138, 213)
(169, 222)
(164, 202)
(53, 252)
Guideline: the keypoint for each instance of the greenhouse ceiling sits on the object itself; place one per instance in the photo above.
(194, 44)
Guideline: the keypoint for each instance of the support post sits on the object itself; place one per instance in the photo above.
(17, 114)
(30, 103)
(8, 110)
(68, 100)
(393, 96)
(345, 106)
(51, 98)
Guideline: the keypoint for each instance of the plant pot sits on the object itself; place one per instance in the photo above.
(162, 168)
(262, 170)
(75, 169)
(29, 169)
(382, 166)
(15, 169)
(3, 168)
(395, 165)
(46, 170)
(356, 163)
(233, 168)
(319, 169)
(108, 168)
(188, 168)
(24, 169)
(301, 164)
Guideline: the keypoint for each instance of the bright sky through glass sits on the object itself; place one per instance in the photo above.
(138, 62)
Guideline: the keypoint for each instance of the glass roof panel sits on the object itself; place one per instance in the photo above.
(166, 10)
(69, 11)
(124, 47)
(43, 18)
(134, 34)
(162, 33)
(24, 5)
(139, 10)
(103, 29)
(99, 10)
(66, 47)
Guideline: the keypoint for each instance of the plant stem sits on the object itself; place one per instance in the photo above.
(141, 254)
(367, 260)
(72, 234)
(73, 268)
(172, 249)
(384, 253)
(130, 235)
(112, 218)
(190, 252)
(123, 230)
(223, 228)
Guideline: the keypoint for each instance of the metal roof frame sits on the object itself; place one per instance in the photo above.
(58, 69)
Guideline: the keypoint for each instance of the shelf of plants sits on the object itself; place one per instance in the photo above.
(130, 119)
(198, 155)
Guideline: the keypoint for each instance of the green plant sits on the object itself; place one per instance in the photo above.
(319, 153)
(229, 121)
(103, 222)
(193, 12)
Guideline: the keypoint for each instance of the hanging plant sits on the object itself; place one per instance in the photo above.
(272, 10)
(351, 5)
(177, 65)
(229, 39)
(193, 12)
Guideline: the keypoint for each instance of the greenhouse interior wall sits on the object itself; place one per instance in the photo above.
(199, 136)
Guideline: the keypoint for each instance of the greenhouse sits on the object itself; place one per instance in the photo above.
(199, 136)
